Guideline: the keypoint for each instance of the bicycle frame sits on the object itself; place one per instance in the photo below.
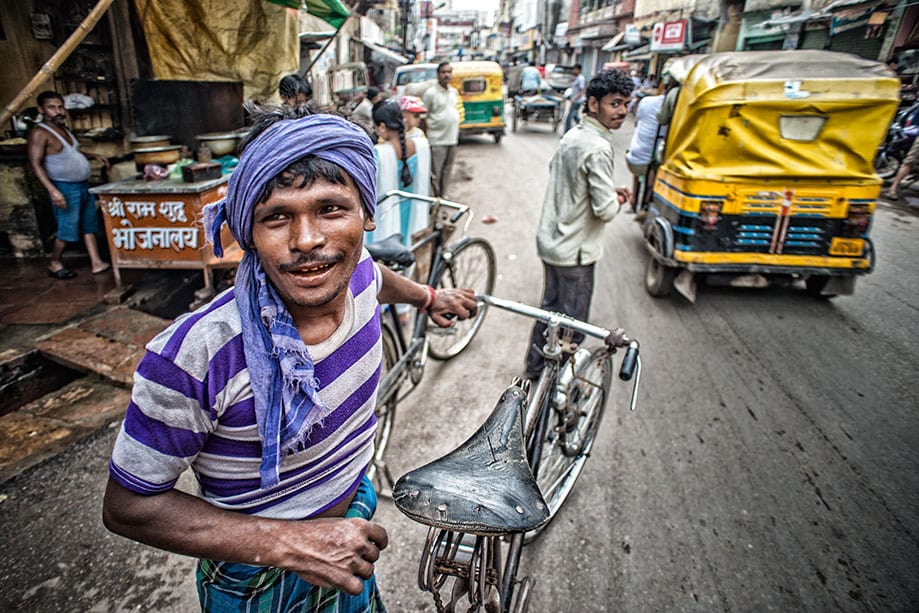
(473, 559)
(553, 349)
(448, 264)
(413, 352)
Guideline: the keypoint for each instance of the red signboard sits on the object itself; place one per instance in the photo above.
(670, 35)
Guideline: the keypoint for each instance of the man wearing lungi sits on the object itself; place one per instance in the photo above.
(268, 392)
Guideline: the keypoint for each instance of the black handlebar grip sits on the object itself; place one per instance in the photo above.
(628, 362)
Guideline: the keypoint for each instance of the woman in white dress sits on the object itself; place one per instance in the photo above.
(402, 163)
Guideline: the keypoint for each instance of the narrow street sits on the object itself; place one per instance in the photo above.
(771, 463)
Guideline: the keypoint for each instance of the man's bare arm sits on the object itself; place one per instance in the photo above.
(328, 552)
(38, 143)
(397, 289)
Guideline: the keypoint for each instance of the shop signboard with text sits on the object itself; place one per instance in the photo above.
(670, 35)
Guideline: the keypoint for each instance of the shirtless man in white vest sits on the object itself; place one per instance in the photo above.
(55, 158)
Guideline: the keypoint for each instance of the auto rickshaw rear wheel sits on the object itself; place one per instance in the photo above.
(658, 278)
(815, 285)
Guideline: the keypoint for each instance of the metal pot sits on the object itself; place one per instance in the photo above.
(162, 155)
(220, 143)
(147, 142)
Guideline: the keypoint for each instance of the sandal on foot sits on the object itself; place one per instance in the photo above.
(62, 273)
(107, 268)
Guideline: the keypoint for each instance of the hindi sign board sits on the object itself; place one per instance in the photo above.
(669, 35)
(155, 224)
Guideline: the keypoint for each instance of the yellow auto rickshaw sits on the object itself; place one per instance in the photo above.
(479, 84)
(767, 171)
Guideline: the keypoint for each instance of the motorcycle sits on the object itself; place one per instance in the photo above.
(900, 136)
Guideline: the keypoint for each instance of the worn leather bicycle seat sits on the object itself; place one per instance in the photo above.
(484, 486)
(390, 251)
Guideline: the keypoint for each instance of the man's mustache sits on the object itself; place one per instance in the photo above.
(310, 259)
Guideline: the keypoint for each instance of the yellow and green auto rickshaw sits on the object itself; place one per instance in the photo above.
(479, 84)
(767, 171)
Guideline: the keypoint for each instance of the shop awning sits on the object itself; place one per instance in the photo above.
(313, 28)
(613, 44)
(392, 56)
(331, 11)
(696, 45)
(638, 54)
(794, 18)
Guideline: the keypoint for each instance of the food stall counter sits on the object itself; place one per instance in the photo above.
(155, 224)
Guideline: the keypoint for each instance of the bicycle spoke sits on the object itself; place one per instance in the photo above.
(472, 264)
(567, 444)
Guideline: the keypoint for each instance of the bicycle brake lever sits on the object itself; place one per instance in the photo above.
(616, 338)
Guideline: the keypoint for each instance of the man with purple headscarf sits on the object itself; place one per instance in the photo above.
(268, 392)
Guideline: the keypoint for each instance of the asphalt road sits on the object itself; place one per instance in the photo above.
(771, 464)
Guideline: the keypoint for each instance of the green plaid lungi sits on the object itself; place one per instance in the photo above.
(225, 587)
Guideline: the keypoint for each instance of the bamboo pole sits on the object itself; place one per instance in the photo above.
(47, 71)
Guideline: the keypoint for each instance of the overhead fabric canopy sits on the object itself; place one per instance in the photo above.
(386, 53)
(331, 11)
(254, 42)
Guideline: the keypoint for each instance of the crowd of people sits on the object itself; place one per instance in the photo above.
(268, 391)
(414, 146)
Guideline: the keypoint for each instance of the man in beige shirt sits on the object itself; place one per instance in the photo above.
(443, 104)
(581, 198)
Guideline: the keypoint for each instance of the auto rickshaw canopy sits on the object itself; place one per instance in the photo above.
(780, 114)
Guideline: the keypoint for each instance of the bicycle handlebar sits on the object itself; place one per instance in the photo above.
(614, 338)
(631, 363)
(461, 209)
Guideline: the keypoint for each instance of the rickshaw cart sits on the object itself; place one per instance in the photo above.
(538, 107)
(768, 171)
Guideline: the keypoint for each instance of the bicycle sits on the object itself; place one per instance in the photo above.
(510, 478)
(466, 262)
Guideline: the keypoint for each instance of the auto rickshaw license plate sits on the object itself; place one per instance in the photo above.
(847, 246)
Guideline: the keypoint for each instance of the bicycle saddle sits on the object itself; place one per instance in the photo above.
(484, 486)
(390, 251)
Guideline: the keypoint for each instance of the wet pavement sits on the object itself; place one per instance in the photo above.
(68, 349)
(32, 297)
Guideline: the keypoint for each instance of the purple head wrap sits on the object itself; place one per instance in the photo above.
(281, 372)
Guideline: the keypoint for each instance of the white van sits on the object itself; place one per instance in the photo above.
(409, 74)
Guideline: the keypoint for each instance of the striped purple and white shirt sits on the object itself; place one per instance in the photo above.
(192, 406)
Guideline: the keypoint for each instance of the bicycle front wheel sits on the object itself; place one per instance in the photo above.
(471, 264)
(567, 442)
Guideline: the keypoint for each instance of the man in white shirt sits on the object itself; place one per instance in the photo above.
(530, 78)
(443, 104)
(576, 97)
(641, 148)
(581, 198)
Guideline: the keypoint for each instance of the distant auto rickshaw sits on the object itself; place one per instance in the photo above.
(767, 172)
(479, 84)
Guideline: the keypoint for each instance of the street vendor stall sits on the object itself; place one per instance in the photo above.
(155, 224)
